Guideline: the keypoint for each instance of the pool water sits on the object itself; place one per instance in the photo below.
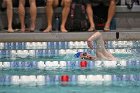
(70, 89)
(38, 67)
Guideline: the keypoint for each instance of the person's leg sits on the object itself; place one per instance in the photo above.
(21, 10)
(66, 8)
(90, 17)
(9, 14)
(49, 12)
(111, 13)
(33, 13)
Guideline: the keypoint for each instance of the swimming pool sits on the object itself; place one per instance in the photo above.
(48, 67)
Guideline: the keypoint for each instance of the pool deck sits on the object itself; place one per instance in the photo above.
(70, 36)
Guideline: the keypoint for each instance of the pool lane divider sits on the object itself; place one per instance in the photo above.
(64, 45)
(15, 54)
(41, 80)
(69, 65)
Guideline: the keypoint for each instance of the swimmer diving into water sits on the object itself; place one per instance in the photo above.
(101, 52)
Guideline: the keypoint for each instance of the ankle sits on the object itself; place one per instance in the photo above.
(107, 25)
(92, 25)
(49, 27)
(62, 26)
(32, 26)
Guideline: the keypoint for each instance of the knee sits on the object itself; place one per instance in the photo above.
(49, 3)
(89, 6)
(112, 2)
(32, 3)
(67, 3)
(9, 4)
(21, 4)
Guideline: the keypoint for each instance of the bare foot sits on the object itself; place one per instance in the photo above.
(48, 29)
(10, 31)
(107, 27)
(22, 30)
(91, 29)
(32, 28)
(63, 29)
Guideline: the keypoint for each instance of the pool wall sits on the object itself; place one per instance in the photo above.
(42, 37)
